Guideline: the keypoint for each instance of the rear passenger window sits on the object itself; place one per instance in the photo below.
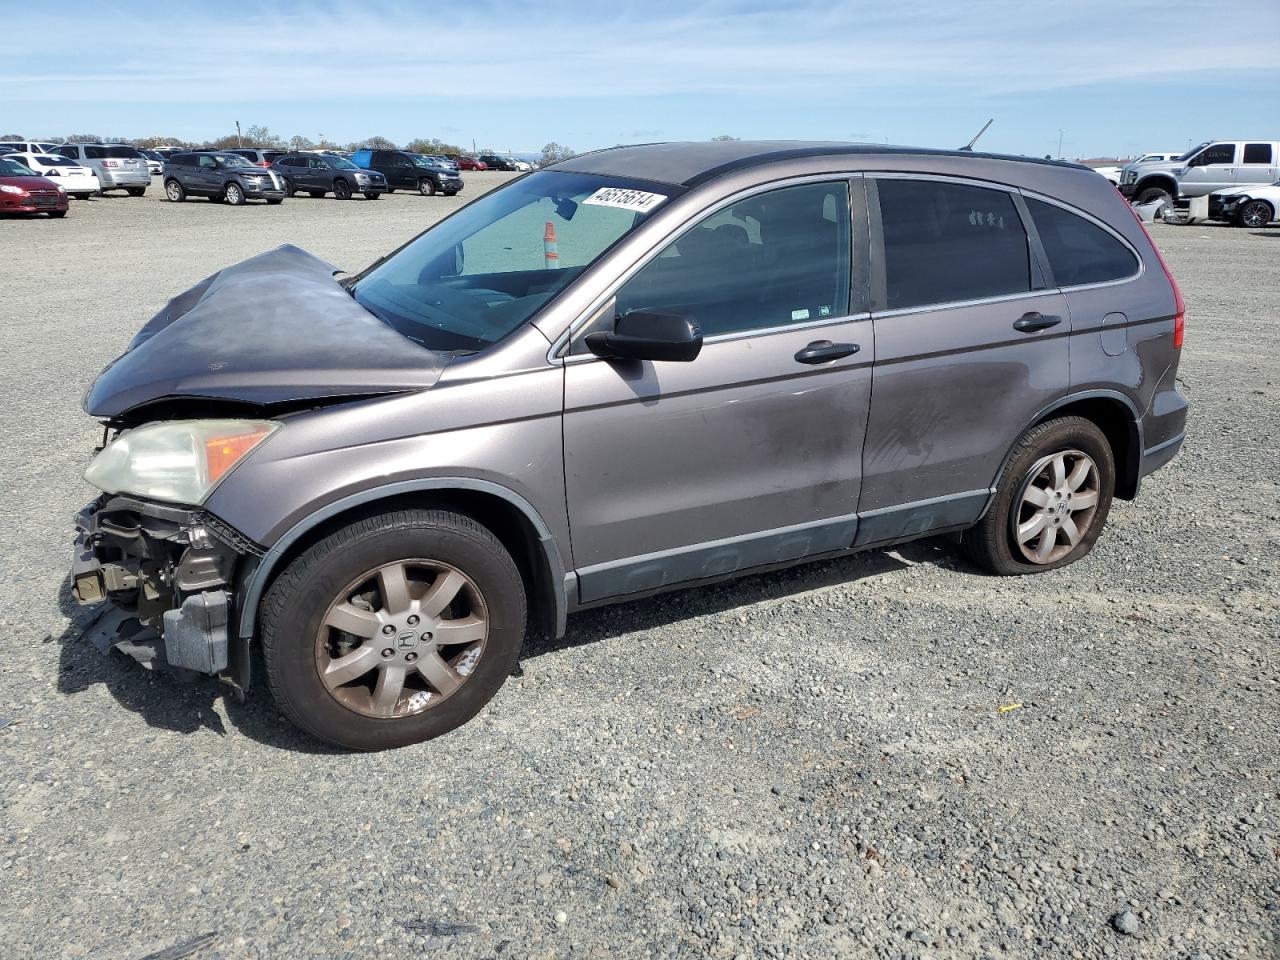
(949, 242)
(1079, 251)
(1257, 153)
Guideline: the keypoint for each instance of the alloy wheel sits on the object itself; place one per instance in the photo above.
(1057, 505)
(402, 638)
(1255, 214)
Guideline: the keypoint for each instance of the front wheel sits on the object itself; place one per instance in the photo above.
(341, 189)
(174, 191)
(1153, 193)
(135, 191)
(233, 194)
(393, 630)
(1255, 213)
(1052, 501)
(427, 187)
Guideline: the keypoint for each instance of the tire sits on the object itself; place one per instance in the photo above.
(1147, 194)
(1047, 517)
(341, 189)
(135, 191)
(391, 189)
(174, 191)
(372, 196)
(299, 641)
(233, 194)
(289, 190)
(427, 187)
(316, 193)
(1255, 213)
(57, 214)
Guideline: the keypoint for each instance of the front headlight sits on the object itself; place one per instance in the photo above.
(362, 176)
(9, 188)
(179, 461)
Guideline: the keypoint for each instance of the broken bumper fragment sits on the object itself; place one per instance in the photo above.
(165, 578)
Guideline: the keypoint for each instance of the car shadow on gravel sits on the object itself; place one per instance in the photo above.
(658, 611)
(186, 706)
(165, 701)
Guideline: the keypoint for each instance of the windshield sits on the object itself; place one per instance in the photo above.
(120, 152)
(1193, 151)
(12, 168)
(341, 163)
(485, 271)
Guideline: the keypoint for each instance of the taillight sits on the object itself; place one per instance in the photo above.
(263, 163)
(110, 164)
(1180, 309)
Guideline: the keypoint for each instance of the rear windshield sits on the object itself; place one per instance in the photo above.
(119, 152)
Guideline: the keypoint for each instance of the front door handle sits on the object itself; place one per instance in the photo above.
(1031, 322)
(824, 351)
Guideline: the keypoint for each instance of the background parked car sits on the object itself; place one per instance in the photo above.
(410, 171)
(494, 162)
(27, 146)
(80, 182)
(155, 162)
(118, 165)
(220, 176)
(469, 163)
(319, 173)
(1214, 165)
(1254, 206)
(22, 190)
(262, 158)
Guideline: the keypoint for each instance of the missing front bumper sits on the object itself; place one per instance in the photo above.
(164, 578)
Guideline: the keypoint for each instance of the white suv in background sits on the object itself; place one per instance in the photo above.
(118, 165)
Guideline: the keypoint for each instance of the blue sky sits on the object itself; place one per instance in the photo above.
(517, 75)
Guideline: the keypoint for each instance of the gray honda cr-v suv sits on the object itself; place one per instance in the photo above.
(639, 369)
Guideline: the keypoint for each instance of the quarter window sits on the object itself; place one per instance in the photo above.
(950, 242)
(770, 260)
(1079, 251)
(1257, 153)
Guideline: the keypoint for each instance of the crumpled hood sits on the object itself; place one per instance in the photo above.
(276, 328)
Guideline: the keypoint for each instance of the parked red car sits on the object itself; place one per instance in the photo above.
(22, 190)
(469, 163)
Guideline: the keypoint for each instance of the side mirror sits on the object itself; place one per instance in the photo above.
(648, 335)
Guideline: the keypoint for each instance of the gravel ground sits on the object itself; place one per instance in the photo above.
(808, 763)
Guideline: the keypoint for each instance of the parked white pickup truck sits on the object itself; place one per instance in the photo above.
(1214, 165)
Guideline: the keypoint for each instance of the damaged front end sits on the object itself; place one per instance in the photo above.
(165, 576)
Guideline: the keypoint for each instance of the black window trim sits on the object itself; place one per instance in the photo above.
(1048, 268)
(858, 274)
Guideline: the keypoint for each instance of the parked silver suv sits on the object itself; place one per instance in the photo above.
(1214, 165)
(118, 165)
(639, 369)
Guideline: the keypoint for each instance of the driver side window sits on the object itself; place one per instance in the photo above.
(769, 260)
(1218, 153)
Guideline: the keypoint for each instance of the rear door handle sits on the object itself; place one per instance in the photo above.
(1031, 322)
(824, 351)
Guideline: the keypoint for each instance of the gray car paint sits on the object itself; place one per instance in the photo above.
(275, 328)
(624, 525)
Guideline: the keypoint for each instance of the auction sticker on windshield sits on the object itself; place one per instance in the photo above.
(636, 200)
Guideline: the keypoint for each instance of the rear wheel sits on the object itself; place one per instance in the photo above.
(341, 189)
(395, 629)
(1255, 213)
(174, 191)
(135, 191)
(427, 187)
(1052, 501)
(233, 194)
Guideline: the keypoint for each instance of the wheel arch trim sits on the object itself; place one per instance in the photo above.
(256, 581)
(1134, 421)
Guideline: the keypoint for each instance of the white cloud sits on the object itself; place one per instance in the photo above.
(350, 50)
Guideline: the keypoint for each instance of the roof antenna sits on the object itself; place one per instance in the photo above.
(969, 146)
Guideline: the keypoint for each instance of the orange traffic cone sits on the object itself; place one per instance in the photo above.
(550, 249)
